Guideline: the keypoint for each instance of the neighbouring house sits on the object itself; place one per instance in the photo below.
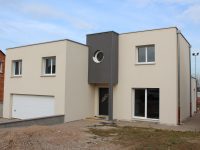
(2, 70)
(141, 75)
(198, 100)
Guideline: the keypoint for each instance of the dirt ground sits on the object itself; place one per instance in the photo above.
(91, 134)
(73, 136)
(150, 138)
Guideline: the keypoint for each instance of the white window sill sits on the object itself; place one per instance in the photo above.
(16, 76)
(48, 75)
(145, 63)
(144, 119)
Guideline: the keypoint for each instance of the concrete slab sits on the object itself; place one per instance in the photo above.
(5, 120)
(191, 124)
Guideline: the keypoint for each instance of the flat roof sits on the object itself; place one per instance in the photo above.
(102, 33)
(158, 29)
(149, 30)
(47, 43)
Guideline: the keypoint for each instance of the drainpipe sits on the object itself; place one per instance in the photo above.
(178, 49)
(110, 103)
(190, 83)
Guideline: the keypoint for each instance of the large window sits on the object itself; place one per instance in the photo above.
(146, 54)
(147, 103)
(17, 67)
(49, 65)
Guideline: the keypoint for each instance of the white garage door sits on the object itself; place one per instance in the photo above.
(29, 106)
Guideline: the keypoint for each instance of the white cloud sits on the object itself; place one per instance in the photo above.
(41, 10)
(192, 13)
(182, 11)
(141, 3)
(180, 1)
(22, 32)
(46, 11)
(30, 26)
(9, 2)
(151, 2)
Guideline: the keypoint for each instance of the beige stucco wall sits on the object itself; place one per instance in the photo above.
(162, 74)
(74, 97)
(184, 78)
(31, 82)
(79, 94)
(194, 95)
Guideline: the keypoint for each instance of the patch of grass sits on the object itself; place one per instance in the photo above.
(103, 133)
(148, 138)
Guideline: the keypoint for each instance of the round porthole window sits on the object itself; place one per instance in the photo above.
(98, 56)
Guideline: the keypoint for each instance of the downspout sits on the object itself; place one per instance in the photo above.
(190, 83)
(178, 49)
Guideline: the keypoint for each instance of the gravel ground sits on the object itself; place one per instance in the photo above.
(75, 135)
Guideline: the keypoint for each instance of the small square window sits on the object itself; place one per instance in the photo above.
(17, 67)
(49, 65)
(146, 54)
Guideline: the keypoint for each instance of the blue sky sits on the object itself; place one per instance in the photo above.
(31, 21)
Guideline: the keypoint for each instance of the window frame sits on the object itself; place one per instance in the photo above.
(19, 67)
(44, 66)
(145, 107)
(146, 55)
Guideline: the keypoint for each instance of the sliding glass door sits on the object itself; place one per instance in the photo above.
(140, 102)
(146, 103)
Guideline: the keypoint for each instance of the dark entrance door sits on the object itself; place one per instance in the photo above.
(103, 101)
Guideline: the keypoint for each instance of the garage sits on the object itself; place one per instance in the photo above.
(31, 106)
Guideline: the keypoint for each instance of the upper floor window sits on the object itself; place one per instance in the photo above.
(1, 67)
(17, 67)
(146, 54)
(49, 65)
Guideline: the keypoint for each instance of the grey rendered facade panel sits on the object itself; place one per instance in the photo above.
(115, 53)
(106, 71)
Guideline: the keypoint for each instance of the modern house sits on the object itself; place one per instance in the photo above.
(143, 75)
